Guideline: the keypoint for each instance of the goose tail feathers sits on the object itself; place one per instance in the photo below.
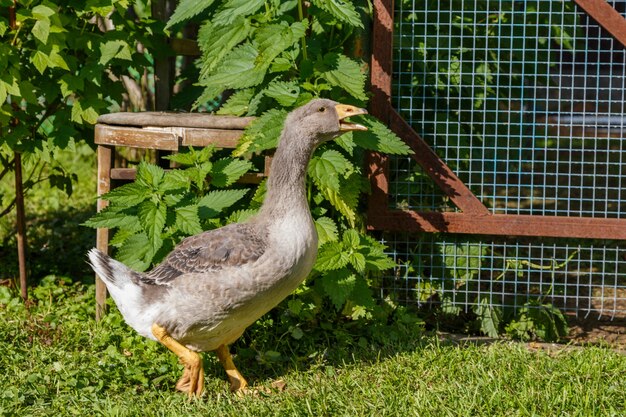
(109, 270)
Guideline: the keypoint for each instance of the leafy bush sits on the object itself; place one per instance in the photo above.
(61, 66)
(269, 58)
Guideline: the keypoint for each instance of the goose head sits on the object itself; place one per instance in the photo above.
(322, 120)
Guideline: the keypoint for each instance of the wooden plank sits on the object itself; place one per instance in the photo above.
(102, 235)
(221, 138)
(606, 16)
(171, 119)
(124, 174)
(129, 174)
(136, 137)
(500, 224)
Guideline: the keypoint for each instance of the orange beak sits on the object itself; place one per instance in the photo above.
(344, 111)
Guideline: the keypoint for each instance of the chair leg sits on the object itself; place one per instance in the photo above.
(102, 235)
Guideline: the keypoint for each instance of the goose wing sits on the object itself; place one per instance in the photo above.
(229, 246)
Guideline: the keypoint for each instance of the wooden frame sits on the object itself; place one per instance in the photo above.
(474, 217)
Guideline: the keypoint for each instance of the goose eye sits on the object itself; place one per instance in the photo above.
(321, 109)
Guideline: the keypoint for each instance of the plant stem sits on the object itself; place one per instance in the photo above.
(303, 40)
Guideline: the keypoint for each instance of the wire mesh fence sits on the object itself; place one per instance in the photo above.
(525, 101)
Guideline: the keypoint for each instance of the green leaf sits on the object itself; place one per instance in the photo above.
(111, 217)
(490, 317)
(238, 70)
(240, 216)
(216, 201)
(357, 260)
(351, 239)
(192, 156)
(174, 182)
(273, 39)
(217, 41)
(187, 9)
(187, 220)
(338, 286)
(228, 170)
(136, 252)
(42, 11)
(343, 72)
(326, 230)
(152, 219)
(41, 30)
(128, 195)
(331, 256)
(233, 9)
(238, 103)
(149, 175)
(284, 92)
(263, 133)
(87, 114)
(56, 60)
(326, 168)
(378, 138)
(343, 11)
(375, 257)
(335, 198)
(114, 49)
(40, 61)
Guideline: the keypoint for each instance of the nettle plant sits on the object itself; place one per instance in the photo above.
(267, 57)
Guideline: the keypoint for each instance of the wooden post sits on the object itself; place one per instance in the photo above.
(21, 226)
(163, 66)
(19, 196)
(102, 234)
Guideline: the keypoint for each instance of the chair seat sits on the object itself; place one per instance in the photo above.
(168, 130)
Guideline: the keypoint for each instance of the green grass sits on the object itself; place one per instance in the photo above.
(56, 360)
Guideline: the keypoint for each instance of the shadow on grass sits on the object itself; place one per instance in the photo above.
(56, 245)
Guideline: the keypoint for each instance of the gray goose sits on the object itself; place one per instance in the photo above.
(214, 285)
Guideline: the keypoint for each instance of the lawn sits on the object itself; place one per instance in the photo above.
(56, 360)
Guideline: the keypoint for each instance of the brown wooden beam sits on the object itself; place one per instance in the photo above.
(606, 16)
(382, 59)
(173, 119)
(129, 174)
(136, 137)
(102, 234)
(500, 224)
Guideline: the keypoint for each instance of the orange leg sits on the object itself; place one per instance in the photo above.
(238, 383)
(192, 380)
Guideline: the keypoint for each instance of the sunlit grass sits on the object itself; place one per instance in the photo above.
(56, 360)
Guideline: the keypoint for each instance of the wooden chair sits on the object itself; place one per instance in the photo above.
(164, 131)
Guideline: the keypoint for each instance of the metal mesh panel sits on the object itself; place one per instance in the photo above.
(586, 278)
(524, 100)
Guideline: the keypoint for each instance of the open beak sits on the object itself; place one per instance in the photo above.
(345, 110)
